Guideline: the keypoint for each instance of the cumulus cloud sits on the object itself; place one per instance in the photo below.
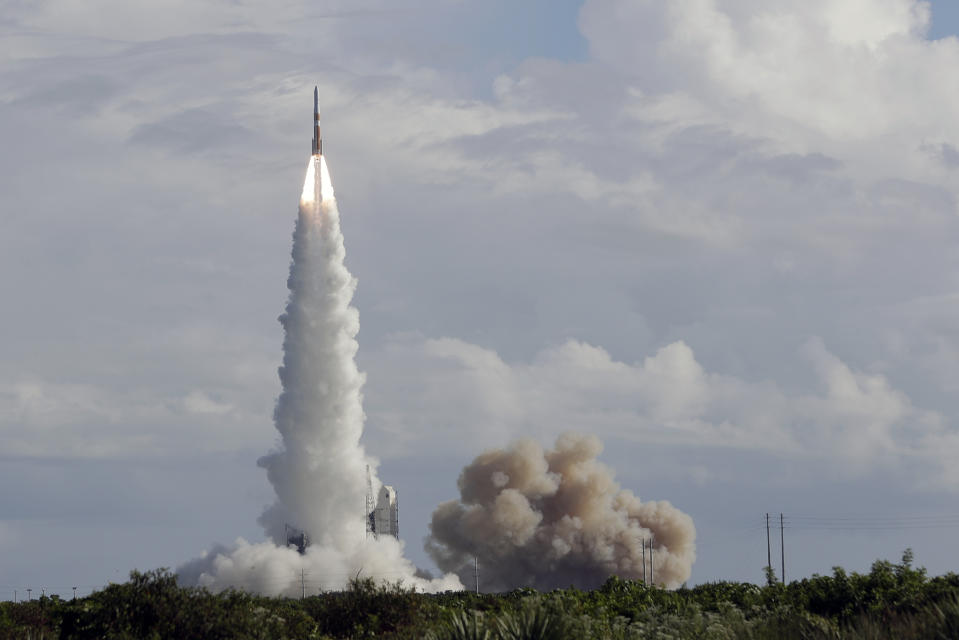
(820, 67)
(855, 418)
(712, 148)
(41, 418)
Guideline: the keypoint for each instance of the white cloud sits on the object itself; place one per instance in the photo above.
(39, 418)
(833, 74)
(459, 396)
(722, 170)
(200, 402)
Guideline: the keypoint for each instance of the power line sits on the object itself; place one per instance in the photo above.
(866, 523)
(871, 522)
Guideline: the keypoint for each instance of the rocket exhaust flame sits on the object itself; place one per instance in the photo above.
(309, 185)
(319, 472)
(317, 186)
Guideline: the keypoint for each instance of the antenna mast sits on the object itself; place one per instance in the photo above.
(370, 506)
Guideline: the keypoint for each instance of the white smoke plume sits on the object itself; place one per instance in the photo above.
(320, 471)
(551, 519)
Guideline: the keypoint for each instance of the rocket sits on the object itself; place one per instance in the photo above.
(317, 138)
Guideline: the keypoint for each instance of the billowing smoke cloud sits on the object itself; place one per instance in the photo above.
(549, 519)
(320, 471)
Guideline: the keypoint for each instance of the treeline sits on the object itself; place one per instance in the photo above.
(891, 601)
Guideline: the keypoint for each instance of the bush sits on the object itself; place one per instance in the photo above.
(891, 601)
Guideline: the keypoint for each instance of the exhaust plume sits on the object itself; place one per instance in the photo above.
(319, 472)
(549, 519)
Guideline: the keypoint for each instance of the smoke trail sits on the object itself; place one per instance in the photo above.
(549, 519)
(319, 474)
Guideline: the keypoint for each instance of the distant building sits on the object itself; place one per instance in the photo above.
(382, 514)
(386, 514)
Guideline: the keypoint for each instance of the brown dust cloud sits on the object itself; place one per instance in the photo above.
(553, 518)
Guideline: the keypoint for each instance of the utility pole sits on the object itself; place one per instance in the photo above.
(476, 573)
(782, 546)
(74, 593)
(28, 595)
(14, 596)
(302, 585)
(769, 553)
(652, 580)
(644, 562)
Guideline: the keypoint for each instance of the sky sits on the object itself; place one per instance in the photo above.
(721, 235)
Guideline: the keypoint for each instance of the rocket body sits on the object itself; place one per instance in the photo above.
(317, 136)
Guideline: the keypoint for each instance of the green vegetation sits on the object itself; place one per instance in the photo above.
(891, 601)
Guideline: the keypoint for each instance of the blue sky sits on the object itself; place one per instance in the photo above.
(548, 29)
(945, 19)
(673, 230)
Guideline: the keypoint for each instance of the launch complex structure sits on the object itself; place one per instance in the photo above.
(382, 512)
